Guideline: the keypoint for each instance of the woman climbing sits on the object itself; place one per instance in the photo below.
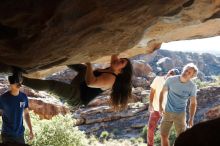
(88, 83)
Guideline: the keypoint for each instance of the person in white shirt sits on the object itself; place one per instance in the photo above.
(155, 115)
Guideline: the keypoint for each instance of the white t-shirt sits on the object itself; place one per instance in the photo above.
(157, 85)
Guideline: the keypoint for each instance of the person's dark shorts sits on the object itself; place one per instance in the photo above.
(10, 139)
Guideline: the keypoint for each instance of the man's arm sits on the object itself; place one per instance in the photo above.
(90, 78)
(151, 98)
(114, 57)
(28, 121)
(192, 110)
(161, 99)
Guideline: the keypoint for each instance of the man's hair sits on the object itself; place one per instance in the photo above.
(12, 80)
(193, 66)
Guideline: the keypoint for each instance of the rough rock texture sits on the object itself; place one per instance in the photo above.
(59, 32)
(125, 124)
(202, 134)
(138, 94)
(143, 74)
(164, 60)
(213, 113)
(141, 69)
(46, 109)
(208, 99)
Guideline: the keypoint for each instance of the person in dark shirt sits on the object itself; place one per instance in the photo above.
(88, 83)
(13, 104)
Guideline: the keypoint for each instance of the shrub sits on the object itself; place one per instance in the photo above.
(157, 138)
(103, 136)
(203, 84)
(144, 132)
(58, 131)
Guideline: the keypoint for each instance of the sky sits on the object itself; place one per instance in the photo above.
(206, 45)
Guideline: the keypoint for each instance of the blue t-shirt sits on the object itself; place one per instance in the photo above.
(12, 116)
(178, 94)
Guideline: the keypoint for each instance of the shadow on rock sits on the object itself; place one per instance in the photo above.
(202, 134)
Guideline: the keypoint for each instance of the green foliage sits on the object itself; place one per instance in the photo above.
(201, 84)
(103, 136)
(140, 140)
(58, 131)
(144, 132)
(157, 138)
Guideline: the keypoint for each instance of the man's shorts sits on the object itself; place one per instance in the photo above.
(170, 118)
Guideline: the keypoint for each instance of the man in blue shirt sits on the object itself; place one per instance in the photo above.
(180, 89)
(13, 104)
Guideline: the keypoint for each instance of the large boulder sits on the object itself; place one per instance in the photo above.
(213, 113)
(36, 35)
(165, 63)
(208, 100)
(141, 68)
(202, 134)
(47, 109)
(123, 124)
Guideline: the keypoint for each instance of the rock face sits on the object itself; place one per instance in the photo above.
(202, 134)
(59, 32)
(47, 109)
(213, 113)
(141, 69)
(124, 124)
(208, 100)
(164, 60)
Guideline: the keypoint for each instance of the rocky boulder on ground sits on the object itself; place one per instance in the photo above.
(47, 109)
(213, 113)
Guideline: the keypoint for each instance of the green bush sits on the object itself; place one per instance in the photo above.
(144, 132)
(203, 84)
(58, 131)
(157, 138)
(104, 136)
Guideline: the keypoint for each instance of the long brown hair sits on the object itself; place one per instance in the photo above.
(121, 90)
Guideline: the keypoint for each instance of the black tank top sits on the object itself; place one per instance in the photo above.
(87, 94)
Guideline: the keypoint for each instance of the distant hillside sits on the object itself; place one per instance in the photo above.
(163, 60)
